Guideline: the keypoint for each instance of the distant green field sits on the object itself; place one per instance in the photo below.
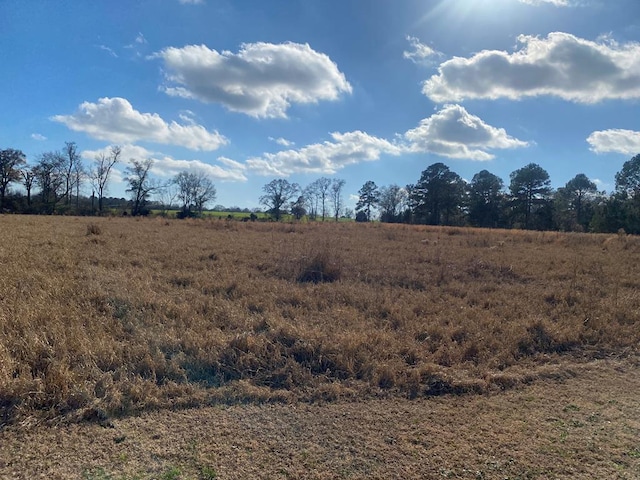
(241, 215)
(235, 215)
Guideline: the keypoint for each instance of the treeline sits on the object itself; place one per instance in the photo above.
(442, 197)
(55, 182)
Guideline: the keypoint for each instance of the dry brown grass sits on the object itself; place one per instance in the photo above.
(126, 315)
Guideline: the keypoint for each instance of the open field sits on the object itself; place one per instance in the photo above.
(106, 317)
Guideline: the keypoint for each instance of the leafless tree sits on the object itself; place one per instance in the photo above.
(277, 195)
(10, 162)
(72, 170)
(50, 177)
(392, 200)
(28, 178)
(311, 199)
(321, 189)
(167, 195)
(101, 172)
(195, 190)
(141, 185)
(336, 196)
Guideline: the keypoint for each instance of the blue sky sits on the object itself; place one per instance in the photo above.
(248, 91)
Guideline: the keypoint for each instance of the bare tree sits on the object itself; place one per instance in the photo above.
(320, 189)
(277, 195)
(79, 175)
(336, 196)
(28, 177)
(101, 172)
(195, 190)
(50, 176)
(72, 169)
(392, 200)
(141, 185)
(167, 195)
(10, 162)
(311, 200)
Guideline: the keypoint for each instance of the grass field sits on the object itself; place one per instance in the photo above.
(121, 315)
(106, 317)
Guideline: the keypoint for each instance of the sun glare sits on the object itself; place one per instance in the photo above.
(458, 11)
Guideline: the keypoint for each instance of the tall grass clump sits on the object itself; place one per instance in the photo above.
(320, 265)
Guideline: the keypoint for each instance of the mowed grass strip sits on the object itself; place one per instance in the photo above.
(125, 315)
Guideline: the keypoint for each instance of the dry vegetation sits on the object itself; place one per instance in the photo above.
(122, 315)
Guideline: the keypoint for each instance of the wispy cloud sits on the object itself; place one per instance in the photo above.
(110, 51)
(39, 137)
(419, 53)
(557, 3)
(165, 166)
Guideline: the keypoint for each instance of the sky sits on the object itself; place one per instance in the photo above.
(247, 91)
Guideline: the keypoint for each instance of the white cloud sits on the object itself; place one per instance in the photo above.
(419, 52)
(615, 140)
(187, 116)
(282, 141)
(39, 137)
(110, 51)
(261, 80)
(191, 2)
(138, 45)
(557, 3)
(455, 133)
(451, 132)
(325, 158)
(560, 65)
(166, 166)
(115, 120)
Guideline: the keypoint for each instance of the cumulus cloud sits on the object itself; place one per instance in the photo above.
(325, 158)
(166, 166)
(261, 80)
(419, 52)
(560, 65)
(615, 140)
(115, 120)
(455, 133)
(38, 136)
